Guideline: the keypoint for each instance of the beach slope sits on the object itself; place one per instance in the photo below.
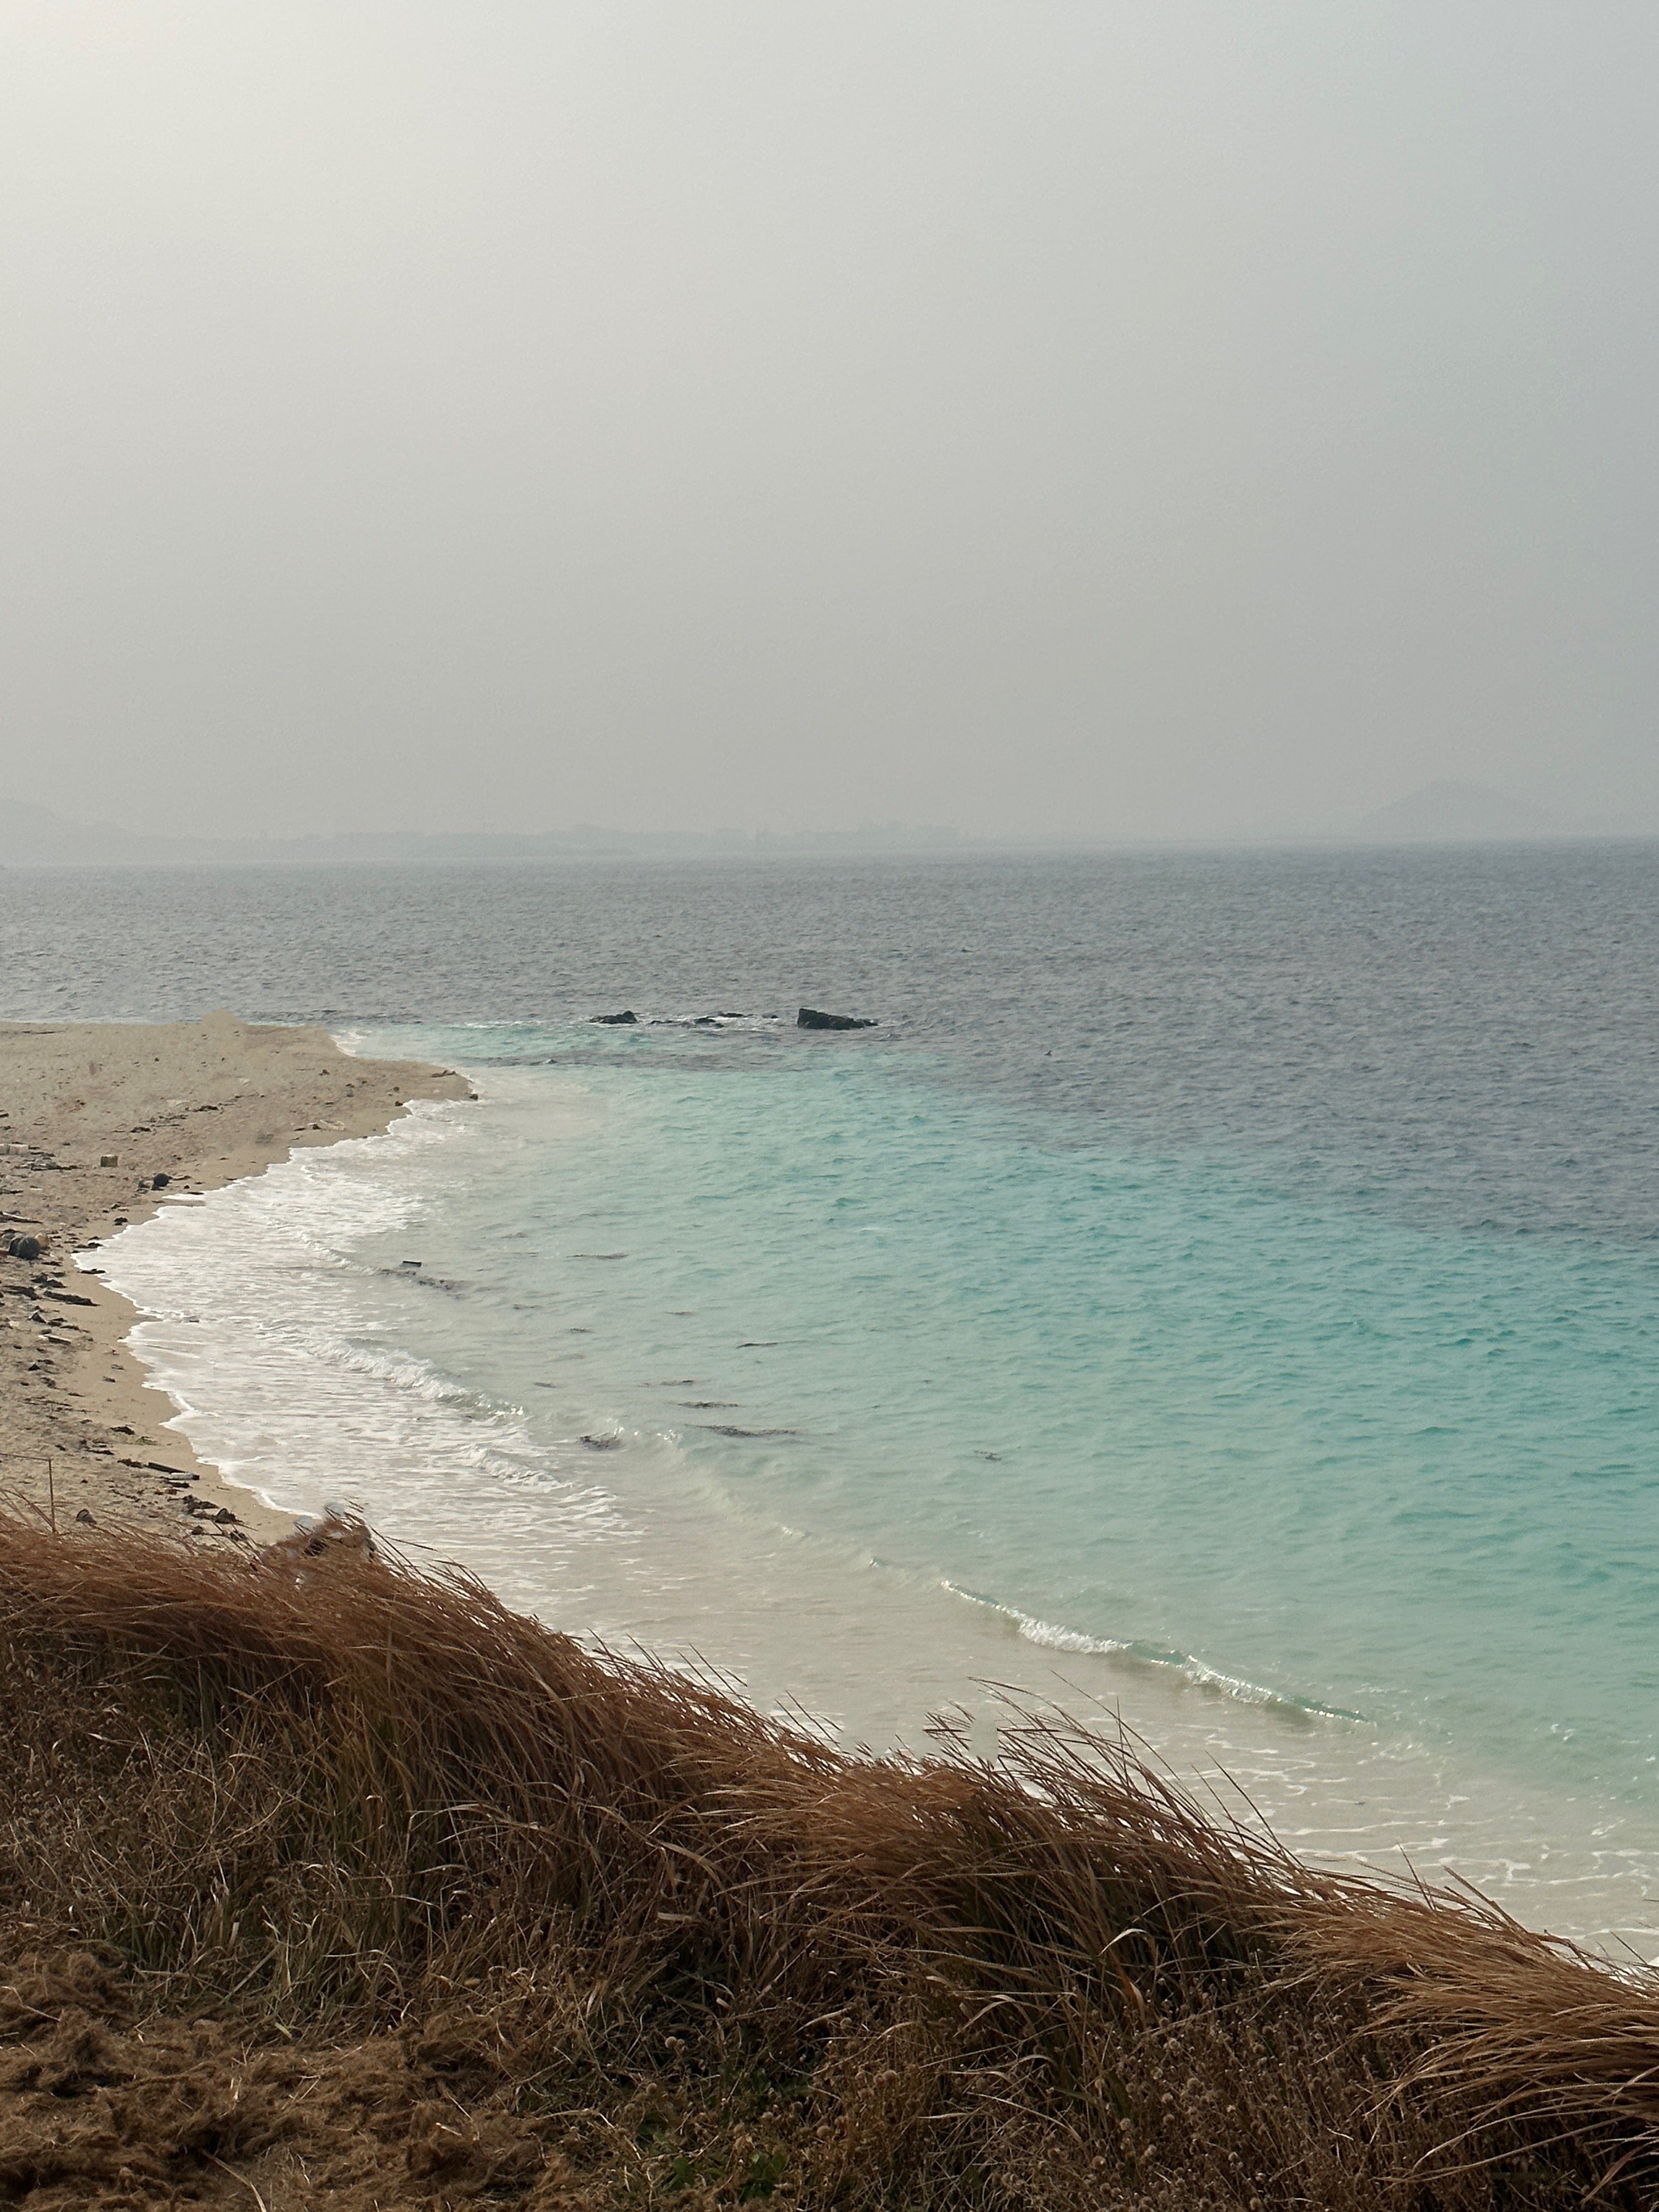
(323, 1881)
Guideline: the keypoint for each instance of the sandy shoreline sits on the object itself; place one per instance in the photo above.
(91, 1115)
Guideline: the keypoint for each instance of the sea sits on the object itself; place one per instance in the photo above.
(1217, 1300)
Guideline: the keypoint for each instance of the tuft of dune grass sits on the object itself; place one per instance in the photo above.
(650, 1946)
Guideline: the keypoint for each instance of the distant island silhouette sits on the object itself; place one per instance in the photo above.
(1460, 813)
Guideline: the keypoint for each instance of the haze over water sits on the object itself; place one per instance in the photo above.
(1232, 1279)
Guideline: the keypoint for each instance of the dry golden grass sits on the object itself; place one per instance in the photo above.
(326, 1882)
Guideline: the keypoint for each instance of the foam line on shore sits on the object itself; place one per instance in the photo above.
(109, 1123)
(1052, 1638)
(253, 1324)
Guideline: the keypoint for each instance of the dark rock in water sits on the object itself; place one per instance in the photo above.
(160, 1181)
(623, 1020)
(809, 1017)
(24, 1248)
(604, 1443)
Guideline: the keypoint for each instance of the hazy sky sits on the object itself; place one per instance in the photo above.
(672, 413)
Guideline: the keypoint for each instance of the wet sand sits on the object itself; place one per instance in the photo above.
(92, 1115)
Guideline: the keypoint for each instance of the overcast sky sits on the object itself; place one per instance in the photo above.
(1158, 419)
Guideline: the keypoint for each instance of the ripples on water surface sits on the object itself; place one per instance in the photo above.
(1232, 1279)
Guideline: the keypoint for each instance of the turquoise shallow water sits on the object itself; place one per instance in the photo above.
(1356, 1465)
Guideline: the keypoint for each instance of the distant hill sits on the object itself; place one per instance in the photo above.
(1460, 813)
(33, 837)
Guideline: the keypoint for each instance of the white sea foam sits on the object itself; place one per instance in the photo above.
(1181, 1664)
(256, 1324)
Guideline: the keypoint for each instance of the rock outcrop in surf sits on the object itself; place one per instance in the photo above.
(811, 1018)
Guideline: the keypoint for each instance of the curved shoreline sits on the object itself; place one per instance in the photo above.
(797, 1625)
(91, 1115)
(246, 1082)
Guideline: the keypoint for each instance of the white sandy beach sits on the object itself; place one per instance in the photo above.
(93, 1117)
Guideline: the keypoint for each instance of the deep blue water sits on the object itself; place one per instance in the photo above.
(1468, 1039)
